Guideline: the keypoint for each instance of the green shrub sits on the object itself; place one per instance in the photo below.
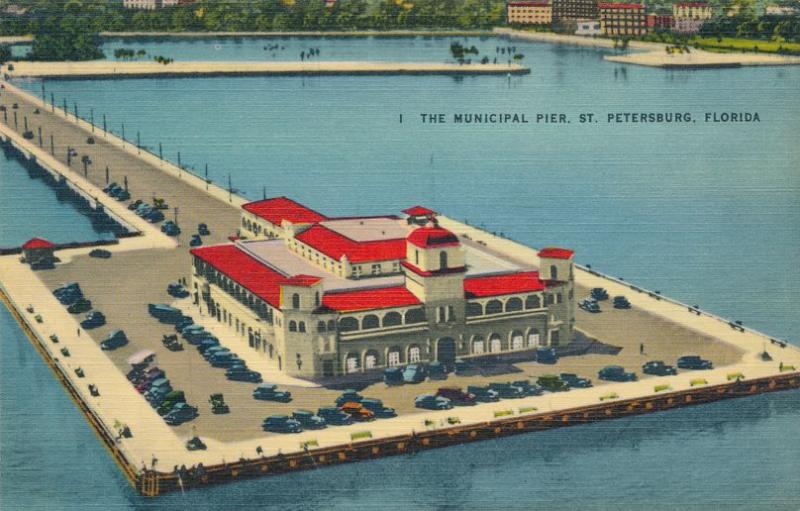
(358, 435)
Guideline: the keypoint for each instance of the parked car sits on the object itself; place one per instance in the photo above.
(615, 373)
(658, 368)
(195, 241)
(114, 340)
(552, 383)
(177, 290)
(80, 306)
(122, 195)
(546, 355)
(169, 402)
(154, 216)
(202, 230)
(377, 407)
(180, 413)
(68, 294)
(393, 376)
(172, 230)
(437, 371)
(431, 402)
(226, 359)
(195, 444)
(308, 419)
(93, 320)
(589, 305)
(694, 362)
(414, 373)
(575, 381)
(620, 302)
(464, 368)
(214, 350)
(164, 313)
(507, 391)
(270, 392)
(240, 373)
(218, 405)
(599, 294)
(206, 344)
(135, 204)
(172, 343)
(334, 416)
(357, 411)
(457, 396)
(349, 395)
(530, 389)
(281, 424)
(100, 253)
(183, 322)
(483, 394)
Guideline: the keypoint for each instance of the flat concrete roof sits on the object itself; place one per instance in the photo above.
(369, 229)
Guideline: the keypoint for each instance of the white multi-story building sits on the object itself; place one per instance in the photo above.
(149, 5)
(325, 297)
(587, 27)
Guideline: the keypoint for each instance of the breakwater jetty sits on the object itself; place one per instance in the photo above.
(154, 458)
(115, 69)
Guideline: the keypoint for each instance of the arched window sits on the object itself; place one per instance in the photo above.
(371, 359)
(331, 325)
(370, 321)
(474, 309)
(553, 272)
(295, 301)
(413, 354)
(495, 344)
(442, 260)
(393, 356)
(351, 364)
(532, 302)
(494, 307)
(517, 340)
(321, 326)
(301, 327)
(292, 326)
(513, 304)
(533, 338)
(478, 345)
(415, 316)
(392, 319)
(348, 324)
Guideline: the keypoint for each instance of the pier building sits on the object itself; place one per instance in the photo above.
(329, 296)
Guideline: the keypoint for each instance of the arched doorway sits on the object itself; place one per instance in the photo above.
(446, 351)
(517, 340)
(351, 363)
(495, 344)
(371, 359)
(393, 356)
(533, 338)
(478, 345)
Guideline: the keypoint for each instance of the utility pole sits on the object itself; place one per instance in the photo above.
(230, 187)
(69, 156)
(125, 180)
(160, 152)
(106, 174)
(176, 215)
(40, 136)
(264, 192)
(91, 118)
(44, 96)
(66, 112)
(206, 176)
(25, 118)
(75, 106)
(52, 102)
(52, 145)
(105, 129)
(15, 120)
(138, 144)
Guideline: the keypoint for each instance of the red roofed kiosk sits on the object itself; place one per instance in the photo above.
(38, 252)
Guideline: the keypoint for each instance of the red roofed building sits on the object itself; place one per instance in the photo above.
(324, 297)
(621, 19)
(38, 252)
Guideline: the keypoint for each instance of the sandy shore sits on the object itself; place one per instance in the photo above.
(300, 33)
(576, 40)
(703, 59)
(112, 69)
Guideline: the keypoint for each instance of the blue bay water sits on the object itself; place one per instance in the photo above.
(704, 212)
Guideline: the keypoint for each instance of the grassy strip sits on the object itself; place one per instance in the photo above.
(698, 381)
(739, 44)
(358, 435)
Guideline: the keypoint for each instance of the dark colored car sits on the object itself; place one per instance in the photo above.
(93, 320)
(334, 416)
(437, 371)
(457, 396)
(393, 376)
(308, 419)
(599, 294)
(180, 413)
(154, 216)
(196, 240)
(214, 350)
(414, 373)
(431, 402)
(169, 402)
(270, 392)
(464, 368)
(122, 195)
(281, 424)
(483, 394)
(177, 290)
(589, 305)
(530, 389)
(164, 313)
(135, 204)
(205, 344)
(552, 383)
(80, 306)
(546, 355)
(202, 230)
(658, 368)
(575, 381)
(183, 323)
(620, 302)
(349, 396)
(615, 373)
(114, 340)
(225, 360)
(694, 362)
(100, 253)
(377, 407)
(240, 373)
(507, 391)
(68, 293)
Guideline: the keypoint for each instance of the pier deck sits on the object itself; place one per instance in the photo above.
(141, 267)
(116, 69)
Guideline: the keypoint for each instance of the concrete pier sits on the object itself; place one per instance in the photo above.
(140, 268)
(115, 69)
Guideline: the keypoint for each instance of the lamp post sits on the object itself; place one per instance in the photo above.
(91, 118)
(40, 136)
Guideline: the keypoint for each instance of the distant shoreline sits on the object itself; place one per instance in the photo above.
(294, 33)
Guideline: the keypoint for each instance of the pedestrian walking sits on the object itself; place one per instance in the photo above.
(641, 349)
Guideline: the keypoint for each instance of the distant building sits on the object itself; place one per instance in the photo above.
(571, 10)
(151, 5)
(588, 27)
(621, 19)
(325, 297)
(690, 16)
(530, 13)
(780, 10)
(660, 22)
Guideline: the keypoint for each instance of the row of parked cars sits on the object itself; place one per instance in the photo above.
(656, 368)
(197, 240)
(598, 294)
(169, 403)
(350, 407)
(115, 191)
(72, 296)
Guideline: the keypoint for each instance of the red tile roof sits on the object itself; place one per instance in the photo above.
(248, 272)
(303, 280)
(556, 252)
(278, 209)
(419, 271)
(432, 236)
(419, 211)
(365, 299)
(37, 243)
(335, 245)
(497, 285)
